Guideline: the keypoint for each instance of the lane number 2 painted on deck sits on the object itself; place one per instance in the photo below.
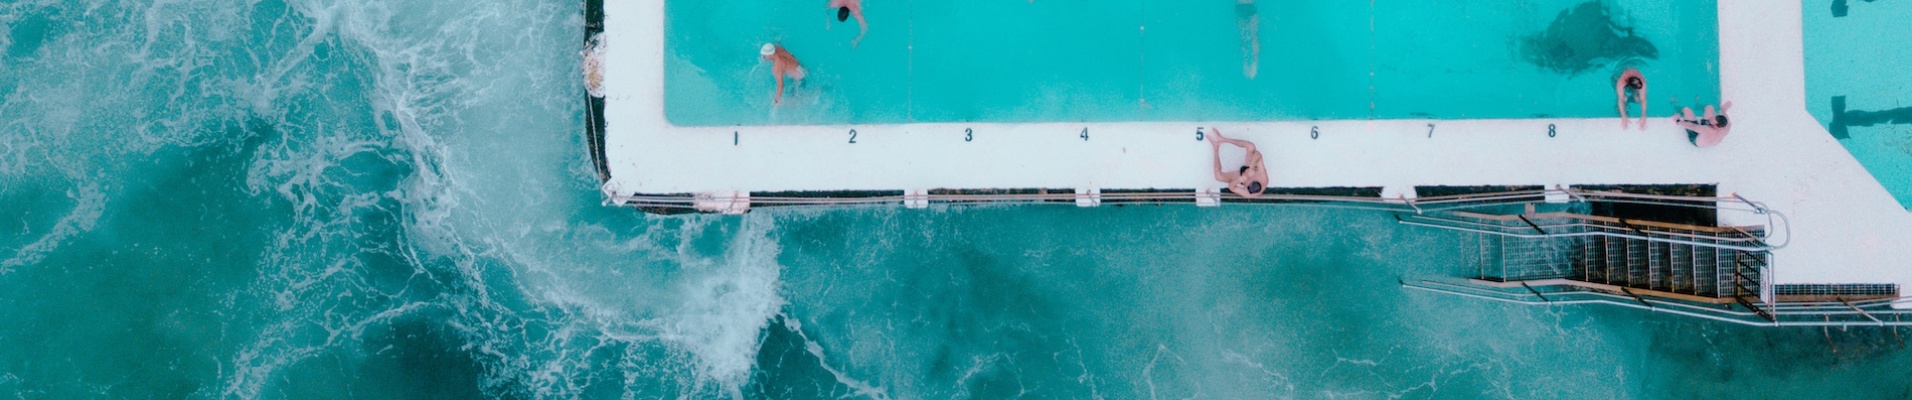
(969, 134)
(1085, 134)
(852, 136)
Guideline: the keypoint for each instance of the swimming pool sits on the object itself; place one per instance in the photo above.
(1170, 60)
(1857, 62)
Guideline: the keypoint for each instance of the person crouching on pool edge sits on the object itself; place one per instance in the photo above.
(1708, 131)
(1633, 81)
(847, 8)
(1251, 179)
(781, 64)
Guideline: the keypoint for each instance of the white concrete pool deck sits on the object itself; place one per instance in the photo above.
(1845, 227)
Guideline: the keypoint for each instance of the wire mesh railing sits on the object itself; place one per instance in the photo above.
(1843, 313)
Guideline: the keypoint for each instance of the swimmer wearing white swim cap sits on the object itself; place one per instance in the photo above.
(782, 64)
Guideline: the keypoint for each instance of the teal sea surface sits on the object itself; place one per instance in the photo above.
(392, 199)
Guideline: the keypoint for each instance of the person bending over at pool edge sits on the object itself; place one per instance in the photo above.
(1631, 80)
(1708, 131)
(782, 64)
(847, 8)
(1251, 179)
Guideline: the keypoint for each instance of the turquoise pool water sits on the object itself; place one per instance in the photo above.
(1859, 61)
(1147, 60)
(390, 200)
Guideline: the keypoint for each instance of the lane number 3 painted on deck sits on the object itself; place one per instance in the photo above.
(968, 134)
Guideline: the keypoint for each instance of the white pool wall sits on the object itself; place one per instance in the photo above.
(1845, 228)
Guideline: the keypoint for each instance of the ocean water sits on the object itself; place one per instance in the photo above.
(1185, 60)
(1856, 60)
(391, 199)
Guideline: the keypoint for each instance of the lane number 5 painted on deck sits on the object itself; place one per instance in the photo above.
(1198, 134)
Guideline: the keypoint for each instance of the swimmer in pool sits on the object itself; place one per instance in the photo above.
(1251, 179)
(845, 9)
(1631, 80)
(782, 64)
(1707, 131)
(1249, 20)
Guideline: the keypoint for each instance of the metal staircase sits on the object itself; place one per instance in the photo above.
(1568, 256)
(1664, 258)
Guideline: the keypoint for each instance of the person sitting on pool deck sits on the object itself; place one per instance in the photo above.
(1631, 80)
(1251, 179)
(847, 8)
(1708, 131)
(781, 64)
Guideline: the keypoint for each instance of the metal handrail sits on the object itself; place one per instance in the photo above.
(1748, 236)
(1419, 206)
(1779, 314)
(1467, 200)
(1581, 234)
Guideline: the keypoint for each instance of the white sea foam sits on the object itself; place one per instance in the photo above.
(89, 203)
(858, 387)
(721, 315)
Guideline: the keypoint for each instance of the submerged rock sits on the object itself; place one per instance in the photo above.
(1582, 38)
